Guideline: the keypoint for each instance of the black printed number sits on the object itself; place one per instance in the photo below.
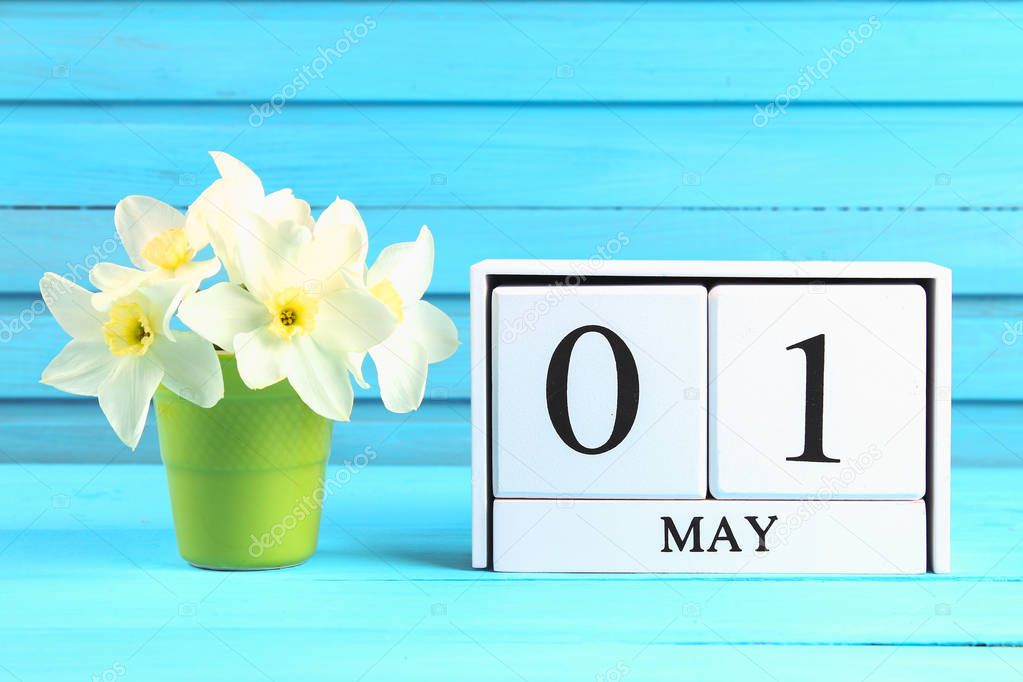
(813, 433)
(627, 401)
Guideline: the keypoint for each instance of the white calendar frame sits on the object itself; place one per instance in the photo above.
(936, 280)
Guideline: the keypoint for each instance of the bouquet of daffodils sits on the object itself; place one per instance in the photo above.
(299, 304)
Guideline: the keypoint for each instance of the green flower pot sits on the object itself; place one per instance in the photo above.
(245, 476)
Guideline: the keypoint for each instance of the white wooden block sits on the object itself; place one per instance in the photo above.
(818, 391)
(599, 391)
(491, 542)
(735, 536)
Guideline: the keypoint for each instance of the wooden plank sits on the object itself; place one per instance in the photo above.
(565, 51)
(987, 434)
(984, 249)
(525, 156)
(390, 590)
(76, 431)
(987, 344)
(260, 653)
(983, 434)
(988, 335)
(412, 647)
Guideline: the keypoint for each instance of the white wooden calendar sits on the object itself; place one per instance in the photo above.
(711, 417)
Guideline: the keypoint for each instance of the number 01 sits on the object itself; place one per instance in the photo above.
(627, 399)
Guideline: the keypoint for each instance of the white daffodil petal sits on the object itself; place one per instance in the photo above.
(355, 361)
(336, 257)
(161, 300)
(195, 271)
(341, 231)
(124, 396)
(223, 311)
(401, 372)
(320, 377)
(197, 233)
(236, 172)
(140, 218)
(114, 282)
(283, 206)
(190, 367)
(72, 307)
(261, 357)
(352, 320)
(80, 367)
(216, 214)
(408, 266)
(107, 276)
(432, 329)
(269, 256)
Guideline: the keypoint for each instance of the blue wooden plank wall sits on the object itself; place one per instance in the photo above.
(721, 130)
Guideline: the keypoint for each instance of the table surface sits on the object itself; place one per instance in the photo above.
(92, 587)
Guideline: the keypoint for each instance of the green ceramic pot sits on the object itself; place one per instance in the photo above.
(245, 476)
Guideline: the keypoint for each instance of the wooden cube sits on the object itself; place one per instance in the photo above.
(600, 391)
(818, 390)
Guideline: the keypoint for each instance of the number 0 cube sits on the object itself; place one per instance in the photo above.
(599, 391)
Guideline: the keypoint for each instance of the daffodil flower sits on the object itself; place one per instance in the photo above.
(423, 335)
(223, 207)
(123, 353)
(160, 242)
(299, 315)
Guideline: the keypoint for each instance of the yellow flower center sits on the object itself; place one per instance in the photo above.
(169, 249)
(128, 331)
(294, 312)
(385, 292)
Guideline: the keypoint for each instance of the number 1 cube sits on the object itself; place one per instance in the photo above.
(818, 391)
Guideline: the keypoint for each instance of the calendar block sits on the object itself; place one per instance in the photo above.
(818, 390)
(711, 417)
(710, 536)
(600, 391)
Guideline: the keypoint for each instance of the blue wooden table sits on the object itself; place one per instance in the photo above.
(515, 130)
(91, 584)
